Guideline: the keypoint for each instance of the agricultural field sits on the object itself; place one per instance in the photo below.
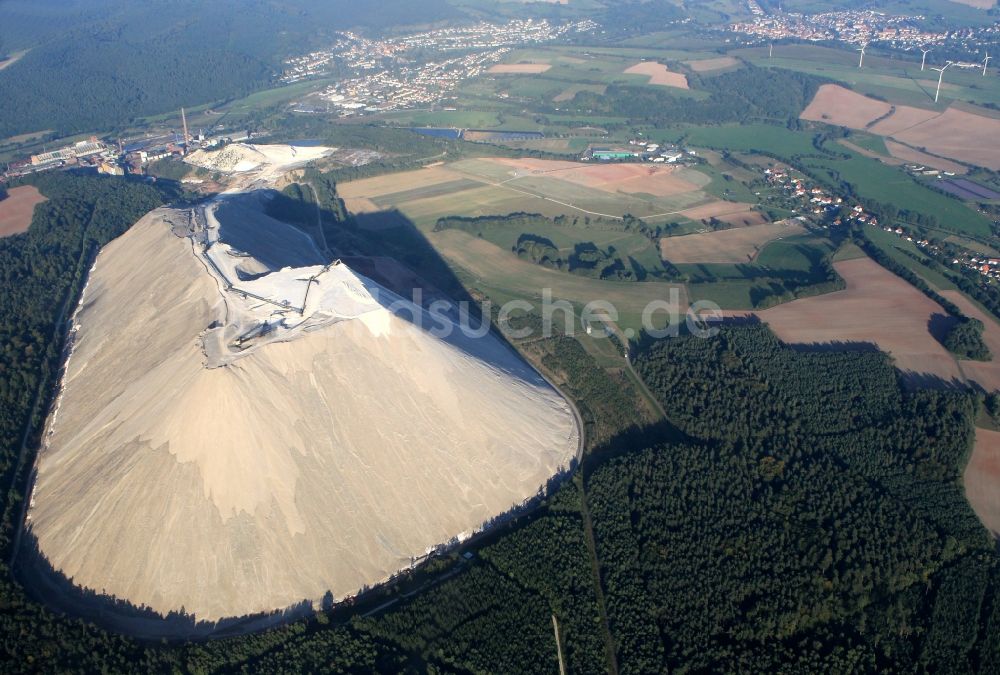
(17, 209)
(981, 479)
(956, 134)
(779, 267)
(874, 180)
(897, 81)
(736, 245)
(868, 177)
(713, 64)
(658, 74)
(877, 308)
(499, 186)
(502, 276)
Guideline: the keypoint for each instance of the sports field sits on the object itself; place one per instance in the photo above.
(16, 210)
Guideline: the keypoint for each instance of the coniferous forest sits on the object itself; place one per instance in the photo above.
(799, 511)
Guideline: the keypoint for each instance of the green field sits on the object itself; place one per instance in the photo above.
(897, 248)
(869, 178)
(894, 80)
(752, 138)
(872, 179)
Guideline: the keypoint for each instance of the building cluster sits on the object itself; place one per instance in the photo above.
(851, 26)
(814, 201)
(118, 158)
(91, 152)
(638, 149)
(862, 27)
(412, 70)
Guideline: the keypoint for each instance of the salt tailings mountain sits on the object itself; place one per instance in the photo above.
(240, 430)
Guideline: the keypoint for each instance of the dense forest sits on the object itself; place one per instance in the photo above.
(798, 510)
(100, 65)
(819, 524)
(750, 94)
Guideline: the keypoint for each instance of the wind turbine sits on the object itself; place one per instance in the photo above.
(941, 78)
(861, 61)
(770, 50)
(986, 63)
(923, 61)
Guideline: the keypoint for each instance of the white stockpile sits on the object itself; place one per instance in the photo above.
(234, 438)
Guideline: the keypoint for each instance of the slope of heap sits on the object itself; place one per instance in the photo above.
(187, 466)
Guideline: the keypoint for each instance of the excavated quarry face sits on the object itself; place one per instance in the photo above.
(196, 461)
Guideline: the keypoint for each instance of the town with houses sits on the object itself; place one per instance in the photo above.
(378, 75)
(860, 27)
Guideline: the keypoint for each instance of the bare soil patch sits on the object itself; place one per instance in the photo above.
(738, 245)
(876, 308)
(708, 65)
(913, 156)
(16, 210)
(519, 68)
(658, 74)
(838, 105)
(982, 479)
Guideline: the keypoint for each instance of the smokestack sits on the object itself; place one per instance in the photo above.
(185, 123)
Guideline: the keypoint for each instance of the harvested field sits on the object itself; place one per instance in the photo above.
(984, 373)
(876, 308)
(360, 205)
(982, 479)
(913, 156)
(396, 182)
(956, 134)
(658, 74)
(738, 245)
(959, 135)
(16, 210)
(717, 209)
(519, 68)
(903, 117)
(709, 65)
(838, 105)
